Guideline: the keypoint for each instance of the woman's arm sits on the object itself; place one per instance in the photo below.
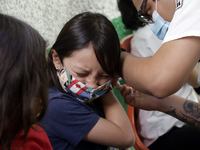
(115, 130)
(164, 73)
(182, 109)
(178, 107)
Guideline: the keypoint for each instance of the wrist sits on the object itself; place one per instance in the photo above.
(164, 104)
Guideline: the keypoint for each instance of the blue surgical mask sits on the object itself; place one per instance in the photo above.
(160, 26)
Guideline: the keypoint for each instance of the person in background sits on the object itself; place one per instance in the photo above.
(23, 88)
(157, 129)
(83, 112)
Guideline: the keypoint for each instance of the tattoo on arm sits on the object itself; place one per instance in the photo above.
(189, 114)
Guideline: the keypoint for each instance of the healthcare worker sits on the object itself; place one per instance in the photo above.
(164, 73)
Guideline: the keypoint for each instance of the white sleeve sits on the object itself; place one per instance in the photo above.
(144, 43)
(185, 22)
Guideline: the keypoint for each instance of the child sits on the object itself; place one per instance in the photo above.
(83, 112)
(23, 94)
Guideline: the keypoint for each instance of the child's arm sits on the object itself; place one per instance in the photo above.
(115, 130)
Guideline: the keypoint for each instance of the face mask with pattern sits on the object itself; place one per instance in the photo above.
(78, 89)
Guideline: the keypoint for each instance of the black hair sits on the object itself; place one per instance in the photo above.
(129, 14)
(79, 32)
(23, 78)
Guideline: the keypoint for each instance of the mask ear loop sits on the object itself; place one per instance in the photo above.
(175, 4)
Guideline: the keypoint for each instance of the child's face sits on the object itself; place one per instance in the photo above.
(84, 66)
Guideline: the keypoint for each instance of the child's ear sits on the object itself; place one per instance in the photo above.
(56, 60)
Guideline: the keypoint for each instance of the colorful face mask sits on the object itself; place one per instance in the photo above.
(78, 89)
(160, 26)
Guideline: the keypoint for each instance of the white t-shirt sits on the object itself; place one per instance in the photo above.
(186, 20)
(144, 43)
(152, 124)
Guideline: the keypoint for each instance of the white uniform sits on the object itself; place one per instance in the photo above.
(153, 124)
(186, 20)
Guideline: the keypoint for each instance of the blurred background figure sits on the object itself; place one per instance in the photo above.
(23, 88)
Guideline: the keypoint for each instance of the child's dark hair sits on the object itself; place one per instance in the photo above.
(83, 29)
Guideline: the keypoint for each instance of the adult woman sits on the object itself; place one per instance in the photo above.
(164, 73)
(158, 130)
(83, 113)
(23, 92)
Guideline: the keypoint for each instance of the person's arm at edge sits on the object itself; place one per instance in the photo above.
(182, 109)
(176, 106)
(192, 80)
(164, 73)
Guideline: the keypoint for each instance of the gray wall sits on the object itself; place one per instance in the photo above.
(49, 16)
